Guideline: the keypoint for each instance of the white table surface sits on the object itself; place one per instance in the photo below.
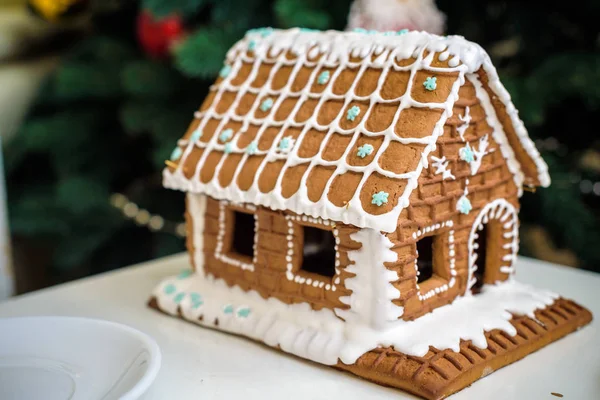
(200, 363)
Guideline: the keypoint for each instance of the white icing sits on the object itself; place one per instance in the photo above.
(499, 136)
(372, 292)
(219, 250)
(464, 199)
(323, 337)
(466, 119)
(441, 167)
(478, 154)
(507, 215)
(465, 58)
(197, 207)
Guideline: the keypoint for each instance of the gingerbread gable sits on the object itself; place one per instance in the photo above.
(339, 125)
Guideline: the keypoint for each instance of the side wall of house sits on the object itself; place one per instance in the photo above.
(275, 270)
(433, 211)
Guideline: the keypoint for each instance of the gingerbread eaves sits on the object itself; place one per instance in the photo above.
(319, 122)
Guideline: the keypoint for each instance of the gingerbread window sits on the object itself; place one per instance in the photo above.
(313, 257)
(318, 251)
(435, 260)
(242, 240)
(236, 236)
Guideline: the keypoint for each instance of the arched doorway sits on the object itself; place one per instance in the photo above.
(493, 244)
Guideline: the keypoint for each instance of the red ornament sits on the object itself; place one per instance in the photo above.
(158, 35)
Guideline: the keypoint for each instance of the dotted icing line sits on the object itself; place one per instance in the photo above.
(290, 253)
(451, 252)
(221, 235)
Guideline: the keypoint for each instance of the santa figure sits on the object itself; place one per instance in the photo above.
(395, 15)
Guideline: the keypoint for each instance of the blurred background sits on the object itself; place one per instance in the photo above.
(94, 94)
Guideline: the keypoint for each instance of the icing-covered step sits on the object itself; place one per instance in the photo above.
(480, 334)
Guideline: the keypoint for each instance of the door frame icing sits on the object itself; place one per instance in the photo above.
(506, 215)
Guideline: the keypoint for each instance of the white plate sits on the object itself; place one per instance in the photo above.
(59, 358)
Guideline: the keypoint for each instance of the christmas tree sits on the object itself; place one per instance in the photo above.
(84, 176)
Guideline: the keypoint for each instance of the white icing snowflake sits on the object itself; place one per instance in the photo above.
(441, 167)
(478, 154)
(466, 119)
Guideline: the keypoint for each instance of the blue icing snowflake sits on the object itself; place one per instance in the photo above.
(323, 78)
(226, 135)
(184, 274)
(228, 309)
(365, 150)
(359, 30)
(243, 312)
(179, 297)
(285, 145)
(380, 198)
(264, 32)
(252, 148)
(252, 45)
(463, 205)
(266, 105)
(195, 297)
(225, 71)
(466, 154)
(196, 136)
(228, 148)
(170, 289)
(176, 154)
(430, 83)
(402, 31)
(352, 113)
(196, 300)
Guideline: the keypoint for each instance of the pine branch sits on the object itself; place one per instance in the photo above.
(574, 223)
(149, 79)
(162, 8)
(304, 13)
(202, 54)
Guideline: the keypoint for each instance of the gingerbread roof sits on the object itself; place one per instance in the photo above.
(337, 125)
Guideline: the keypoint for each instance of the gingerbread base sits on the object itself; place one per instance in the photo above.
(441, 373)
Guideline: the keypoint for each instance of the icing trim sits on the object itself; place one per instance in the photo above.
(339, 50)
(292, 223)
(226, 258)
(505, 213)
(323, 337)
(448, 283)
(197, 208)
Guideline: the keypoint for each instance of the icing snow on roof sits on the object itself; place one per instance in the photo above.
(337, 125)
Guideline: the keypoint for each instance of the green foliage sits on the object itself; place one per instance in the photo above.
(147, 79)
(202, 54)
(162, 8)
(230, 13)
(109, 116)
(77, 81)
(537, 92)
(574, 224)
(306, 13)
(80, 195)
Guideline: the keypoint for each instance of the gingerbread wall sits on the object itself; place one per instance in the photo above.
(275, 269)
(433, 211)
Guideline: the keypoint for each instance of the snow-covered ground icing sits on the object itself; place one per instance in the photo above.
(322, 336)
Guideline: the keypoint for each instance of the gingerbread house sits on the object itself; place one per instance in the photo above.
(353, 198)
